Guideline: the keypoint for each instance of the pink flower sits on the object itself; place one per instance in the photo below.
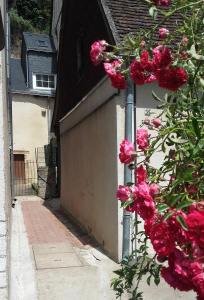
(195, 223)
(96, 52)
(142, 44)
(156, 122)
(142, 72)
(162, 239)
(113, 71)
(161, 58)
(142, 139)
(145, 208)
(154, 189)
(141, 174)
(163, 33)
(198, 282)
(123, 193)
(162, 2)
(181, 271)
(143, 190)
(172, 78)
(191, 189)
(185, 40)
(126, 151)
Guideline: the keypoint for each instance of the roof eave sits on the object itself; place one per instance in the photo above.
(109, 19)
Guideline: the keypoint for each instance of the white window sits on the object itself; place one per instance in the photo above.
(45, 82)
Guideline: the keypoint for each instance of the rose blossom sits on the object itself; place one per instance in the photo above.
(123, 193)
(162, 2)
(156, 122)
(142, 72)
(96, 52)
(195, 223)
(142, 139)
(162, 58)
(141, 174)
(113, 71)
(185, 40)
(162, 239)
(154, 189)
(126, 151)
(163, 33)
(172, 78)
(183, 273)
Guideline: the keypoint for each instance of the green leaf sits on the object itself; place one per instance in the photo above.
(157, 280)
(149, 280)
(195, 54)
(168, 215)
(153, 12)
(162, 207)
(184, 204)
(182, 222)
(196, 127)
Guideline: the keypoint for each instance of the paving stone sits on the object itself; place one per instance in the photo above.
(52, 248)
(57, 260)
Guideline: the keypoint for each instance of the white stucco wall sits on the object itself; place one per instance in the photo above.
(31, 122)
(91, 171)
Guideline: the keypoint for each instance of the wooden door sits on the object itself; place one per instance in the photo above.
(19, 166)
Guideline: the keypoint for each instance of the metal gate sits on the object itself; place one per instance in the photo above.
(25, 177)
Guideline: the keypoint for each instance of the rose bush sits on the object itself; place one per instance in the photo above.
(169, 199)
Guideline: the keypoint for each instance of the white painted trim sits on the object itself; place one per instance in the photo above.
(100, 94)
(35, 87)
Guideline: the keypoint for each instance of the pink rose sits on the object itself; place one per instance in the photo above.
(185, 40)
(156, 123)
(162, 2)
(126, 151)
(141, 71)
(154, 189)
(113, 69)
(142, 139)
(123, 193)
(96, 52)
(162, 58)
(163, 33)
(198, 282)
(141, 173)
(172, 78)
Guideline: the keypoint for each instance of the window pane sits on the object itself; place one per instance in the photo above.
(39, 83)
(51, 78)
(45, 83)
(45, 77)
(38, 77)
(51, 85)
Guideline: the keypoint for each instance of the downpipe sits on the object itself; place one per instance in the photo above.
(128, 173)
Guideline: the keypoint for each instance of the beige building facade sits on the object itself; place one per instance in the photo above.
(31, 124)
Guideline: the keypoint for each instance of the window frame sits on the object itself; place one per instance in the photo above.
(35, 87)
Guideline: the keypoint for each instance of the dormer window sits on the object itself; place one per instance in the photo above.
(44, 82)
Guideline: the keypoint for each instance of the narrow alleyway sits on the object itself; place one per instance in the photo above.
(52, 259)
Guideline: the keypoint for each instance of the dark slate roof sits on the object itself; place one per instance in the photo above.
(17, 78)
(39, 42)
(129, 16)
(18, 81)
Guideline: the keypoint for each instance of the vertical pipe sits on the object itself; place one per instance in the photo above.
(129, 109)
